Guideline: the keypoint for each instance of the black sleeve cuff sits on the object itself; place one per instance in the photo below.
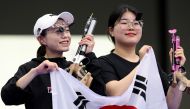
(89, 57)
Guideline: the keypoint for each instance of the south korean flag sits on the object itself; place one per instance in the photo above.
(145, 92)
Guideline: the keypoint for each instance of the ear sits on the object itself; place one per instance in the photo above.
(41, 40)
(110, 31)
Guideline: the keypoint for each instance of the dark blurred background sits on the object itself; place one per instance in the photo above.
(19, 16)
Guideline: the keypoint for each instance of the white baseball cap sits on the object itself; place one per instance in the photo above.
(49, 20)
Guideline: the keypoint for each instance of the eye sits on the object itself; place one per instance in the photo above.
(60, 30)
(123, 22)
(66, 29)
(136, 23)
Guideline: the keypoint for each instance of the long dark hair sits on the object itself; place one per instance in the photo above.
(42, 49)
(117, 14)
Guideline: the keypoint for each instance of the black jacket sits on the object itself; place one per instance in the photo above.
(37, 95)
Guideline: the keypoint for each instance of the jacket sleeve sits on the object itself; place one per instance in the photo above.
(13, 95)
(165, 79)
(89, 58)
(94, 67)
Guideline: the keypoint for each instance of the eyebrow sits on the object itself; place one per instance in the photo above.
(66, 27)
(126, 19)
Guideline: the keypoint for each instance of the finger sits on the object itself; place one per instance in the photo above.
(171, 50)
(45, 66)
(89, 36)
(57, 67)
(148, 48)
(84, 41)
(54, 66)
(89, 43)
(179, 54)
(180, 47)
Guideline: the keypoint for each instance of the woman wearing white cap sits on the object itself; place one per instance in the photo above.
(31, 83)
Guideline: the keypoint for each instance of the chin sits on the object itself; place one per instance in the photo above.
(133, 41)
(65, 49)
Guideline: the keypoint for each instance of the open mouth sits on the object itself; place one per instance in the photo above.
(64, 42)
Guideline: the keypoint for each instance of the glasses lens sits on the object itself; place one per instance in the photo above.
(141, 22)
(60, 30)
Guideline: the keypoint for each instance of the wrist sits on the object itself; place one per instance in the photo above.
(34, 72)
(182, 69)
(26, 79)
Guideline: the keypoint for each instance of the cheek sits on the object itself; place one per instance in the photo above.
(117, 31)
(50, 41)
(51, 37)
(139, 34)
(68, 35)
(139, 31)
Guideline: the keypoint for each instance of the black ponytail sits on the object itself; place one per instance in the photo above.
(41, 51)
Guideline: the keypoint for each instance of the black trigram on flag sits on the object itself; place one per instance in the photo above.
(81, 101)
(140, 86)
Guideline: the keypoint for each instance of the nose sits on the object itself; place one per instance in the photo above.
(130, 25)
(64, 35)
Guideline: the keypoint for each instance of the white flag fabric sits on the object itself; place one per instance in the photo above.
(145, 92)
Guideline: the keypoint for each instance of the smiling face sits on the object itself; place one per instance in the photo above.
(127, 30)
(57, 39)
